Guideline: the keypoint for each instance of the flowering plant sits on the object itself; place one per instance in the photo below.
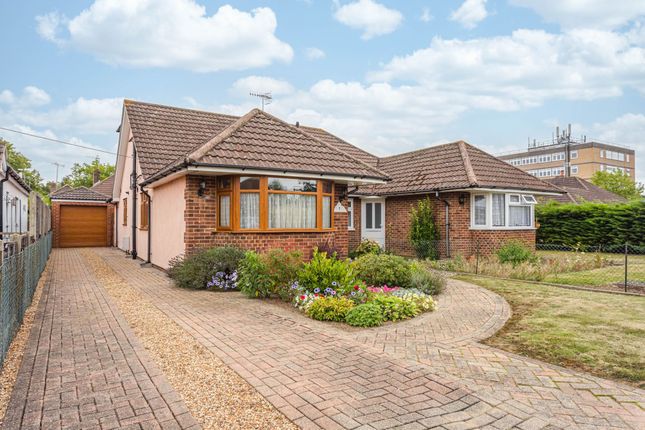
(223, 281)
(304, 300)
(383, 290)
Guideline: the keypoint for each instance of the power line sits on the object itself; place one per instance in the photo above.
(61, 141)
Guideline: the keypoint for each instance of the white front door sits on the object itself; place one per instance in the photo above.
(373, 220)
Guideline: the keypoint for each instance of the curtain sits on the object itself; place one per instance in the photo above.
(480, 210)
(225, 211)
(249, 210)
(326, 209)
(292, 211)
(499, 206)
(520, 216)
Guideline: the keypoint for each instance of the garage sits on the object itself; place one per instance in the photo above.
(82, 226)
(83, 217)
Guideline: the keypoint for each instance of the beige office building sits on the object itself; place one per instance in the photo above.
(548, 160)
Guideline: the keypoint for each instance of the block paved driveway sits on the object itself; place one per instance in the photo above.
(429, 372)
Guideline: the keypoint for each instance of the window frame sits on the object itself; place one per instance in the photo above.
(143, 211)
(350, 214)
(264, 192)
(510, 199)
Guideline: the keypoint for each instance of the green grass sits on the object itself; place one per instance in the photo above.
(599, 333)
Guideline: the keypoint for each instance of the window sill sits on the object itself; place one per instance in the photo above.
(143, 228)
(501, 228)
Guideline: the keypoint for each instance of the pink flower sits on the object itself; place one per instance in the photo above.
(303, 297)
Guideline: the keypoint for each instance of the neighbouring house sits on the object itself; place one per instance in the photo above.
(14, 210)
(83, 217)
(189, 179)
(578, 190)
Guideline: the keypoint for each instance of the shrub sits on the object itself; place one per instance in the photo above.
(426, 280)
(383, 269)
(282, 268)
(423, 301)
(367, 315)
(329, 308)
(198, 269)
(328, 246)
(253, 277)
(366, 246)
(423, 232)
(515, 252)
(395, 308)
(326, 275)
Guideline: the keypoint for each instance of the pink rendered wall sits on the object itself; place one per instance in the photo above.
(167, 222)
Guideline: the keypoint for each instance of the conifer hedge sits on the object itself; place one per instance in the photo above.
(592, 224)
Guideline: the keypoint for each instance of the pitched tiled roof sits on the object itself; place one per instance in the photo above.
(164, 133)
(451, 166)
(62, 189)
(167, 138)
(105, 186)
(339, 143)
(579, 190)
(80, 193)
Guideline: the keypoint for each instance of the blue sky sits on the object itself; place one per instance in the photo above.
(387, 76)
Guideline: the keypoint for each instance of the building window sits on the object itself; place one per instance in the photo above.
(224, 196)
(125, 211)
(574, 170)
(350, 214)
(145, 204)
(373, 216)
(508, 210)
(574, 154)
(249, 202)
(480, 210)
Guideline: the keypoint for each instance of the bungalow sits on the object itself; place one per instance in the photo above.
(577, 190)
(14, 209)
(189, 179)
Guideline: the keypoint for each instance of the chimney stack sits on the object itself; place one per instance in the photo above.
(97, 176)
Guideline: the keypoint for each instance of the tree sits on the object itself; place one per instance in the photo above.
(423, 231)
(618, 183)
(83, 174)
(22, 165)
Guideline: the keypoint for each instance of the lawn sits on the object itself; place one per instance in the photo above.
(603, 334)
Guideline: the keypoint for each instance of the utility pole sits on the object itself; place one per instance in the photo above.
(57, 166)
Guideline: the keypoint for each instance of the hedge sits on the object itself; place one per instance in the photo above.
(592, 224)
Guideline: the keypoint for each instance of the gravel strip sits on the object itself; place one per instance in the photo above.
(216, 396)
(11, 365)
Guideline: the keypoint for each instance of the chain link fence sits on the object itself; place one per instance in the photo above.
(20, 272)
(619, 268)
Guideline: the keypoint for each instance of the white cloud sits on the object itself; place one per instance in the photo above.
(30, 97)
(628, 130)
(586, 13)
(261, 84)
(373, 18)
(470, 13)
(170, 33)
(315, 53)
(426, 16)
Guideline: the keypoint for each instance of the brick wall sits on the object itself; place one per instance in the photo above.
(463, 240)
(354, 236)
(201, 219)
(55, 213)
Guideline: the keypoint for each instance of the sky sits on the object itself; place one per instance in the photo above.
(387, 76)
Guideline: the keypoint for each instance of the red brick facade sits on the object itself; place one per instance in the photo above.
(200, 217)
(463, 239)
(55, 211)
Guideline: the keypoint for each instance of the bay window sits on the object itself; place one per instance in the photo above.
(502, 211)
(260, 203)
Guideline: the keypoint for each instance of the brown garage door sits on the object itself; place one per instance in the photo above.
(83, 226)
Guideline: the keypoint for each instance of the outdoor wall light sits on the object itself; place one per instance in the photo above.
(462, 199)
(202, 188)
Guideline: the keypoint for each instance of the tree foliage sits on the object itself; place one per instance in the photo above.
(82, 174)
(592, 224)
(22, 165)
(618, 183)
(423, 231)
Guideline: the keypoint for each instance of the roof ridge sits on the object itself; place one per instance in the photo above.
(333, 148)
(339, 138)
(128, 102)
(584, 185)
(223, 135)
(427, 148)
(470, 173)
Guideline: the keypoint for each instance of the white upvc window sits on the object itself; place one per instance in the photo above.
(350, 213)
(574, 170)
(574, 154)
(502, 211)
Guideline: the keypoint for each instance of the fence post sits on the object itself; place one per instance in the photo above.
(477, 259)
(626, 251)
